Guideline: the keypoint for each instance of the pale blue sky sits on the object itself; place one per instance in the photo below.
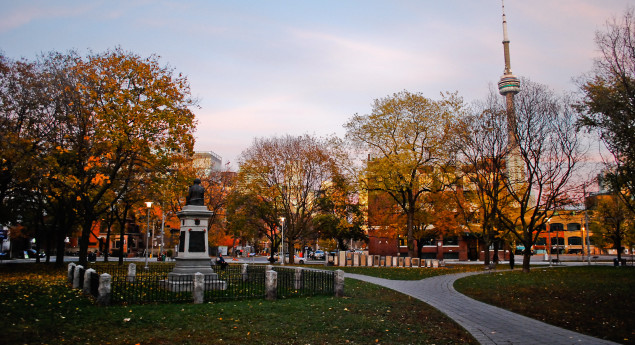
(263, 68)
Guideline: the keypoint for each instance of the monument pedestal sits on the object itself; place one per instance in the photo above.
(193, 252)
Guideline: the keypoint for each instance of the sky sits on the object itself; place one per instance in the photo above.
(271, 68)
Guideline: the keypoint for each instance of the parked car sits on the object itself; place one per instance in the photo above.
(296, 259)
(31, 253)
(318, 255)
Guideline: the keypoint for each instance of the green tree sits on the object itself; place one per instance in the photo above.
(610, 102)
(406, 136)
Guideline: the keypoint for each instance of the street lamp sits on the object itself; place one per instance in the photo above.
(549, 244)
(282, 247)
(148, 204)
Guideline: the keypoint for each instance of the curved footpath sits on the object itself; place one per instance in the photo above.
(488, 324)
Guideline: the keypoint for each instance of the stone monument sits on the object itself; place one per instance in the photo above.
(193, 247)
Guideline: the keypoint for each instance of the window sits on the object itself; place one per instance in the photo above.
(541, 241)
(574, 241)
(573, 227)
(451, 241)
(557, 227)
(429, 242)
(559, 241)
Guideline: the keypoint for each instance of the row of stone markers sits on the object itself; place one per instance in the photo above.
(90, 282)
(356, 259)
(100, 286)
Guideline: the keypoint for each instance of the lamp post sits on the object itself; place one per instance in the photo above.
(549, 244)
(162, 234)
(282, 246)
(148, 204)
(586, 227)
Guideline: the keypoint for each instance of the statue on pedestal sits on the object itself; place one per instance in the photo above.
(196, 193)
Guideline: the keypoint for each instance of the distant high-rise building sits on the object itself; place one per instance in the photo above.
(207, 161)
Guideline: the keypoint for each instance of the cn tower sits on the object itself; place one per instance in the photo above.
(508, 86)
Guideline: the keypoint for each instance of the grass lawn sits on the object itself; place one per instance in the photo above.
(594, 300)
(39, 308)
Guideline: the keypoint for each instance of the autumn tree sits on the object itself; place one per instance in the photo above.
(437, 217)
(287, 174)
(218, 186)
(22, 128)
(109, 119)
(406, 135)
(610, 102)
(482, 145)
(341, 214)
(549, 151)
(385, 218)
(250, 213)
(612, 223)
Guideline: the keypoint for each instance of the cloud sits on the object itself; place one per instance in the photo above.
(19, 15)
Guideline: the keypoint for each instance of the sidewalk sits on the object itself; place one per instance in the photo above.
(488, 324)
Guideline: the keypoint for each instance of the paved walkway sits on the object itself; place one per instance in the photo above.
(488, 324)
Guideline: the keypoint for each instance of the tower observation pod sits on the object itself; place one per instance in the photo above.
(509, 84)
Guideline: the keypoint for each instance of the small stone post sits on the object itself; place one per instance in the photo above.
(87, 275)
(132, 273)
(76, 276)
(268, 268)
(339, 283)
(298, 280)
(71, 273)
(271, 285)
(105, 289)
(244, 273)
(199, 288)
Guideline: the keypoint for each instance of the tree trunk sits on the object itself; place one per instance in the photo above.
(527, 242)
(122, 233)
(83, 242)
(495, 258)
(526, 259)
(410, 223)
